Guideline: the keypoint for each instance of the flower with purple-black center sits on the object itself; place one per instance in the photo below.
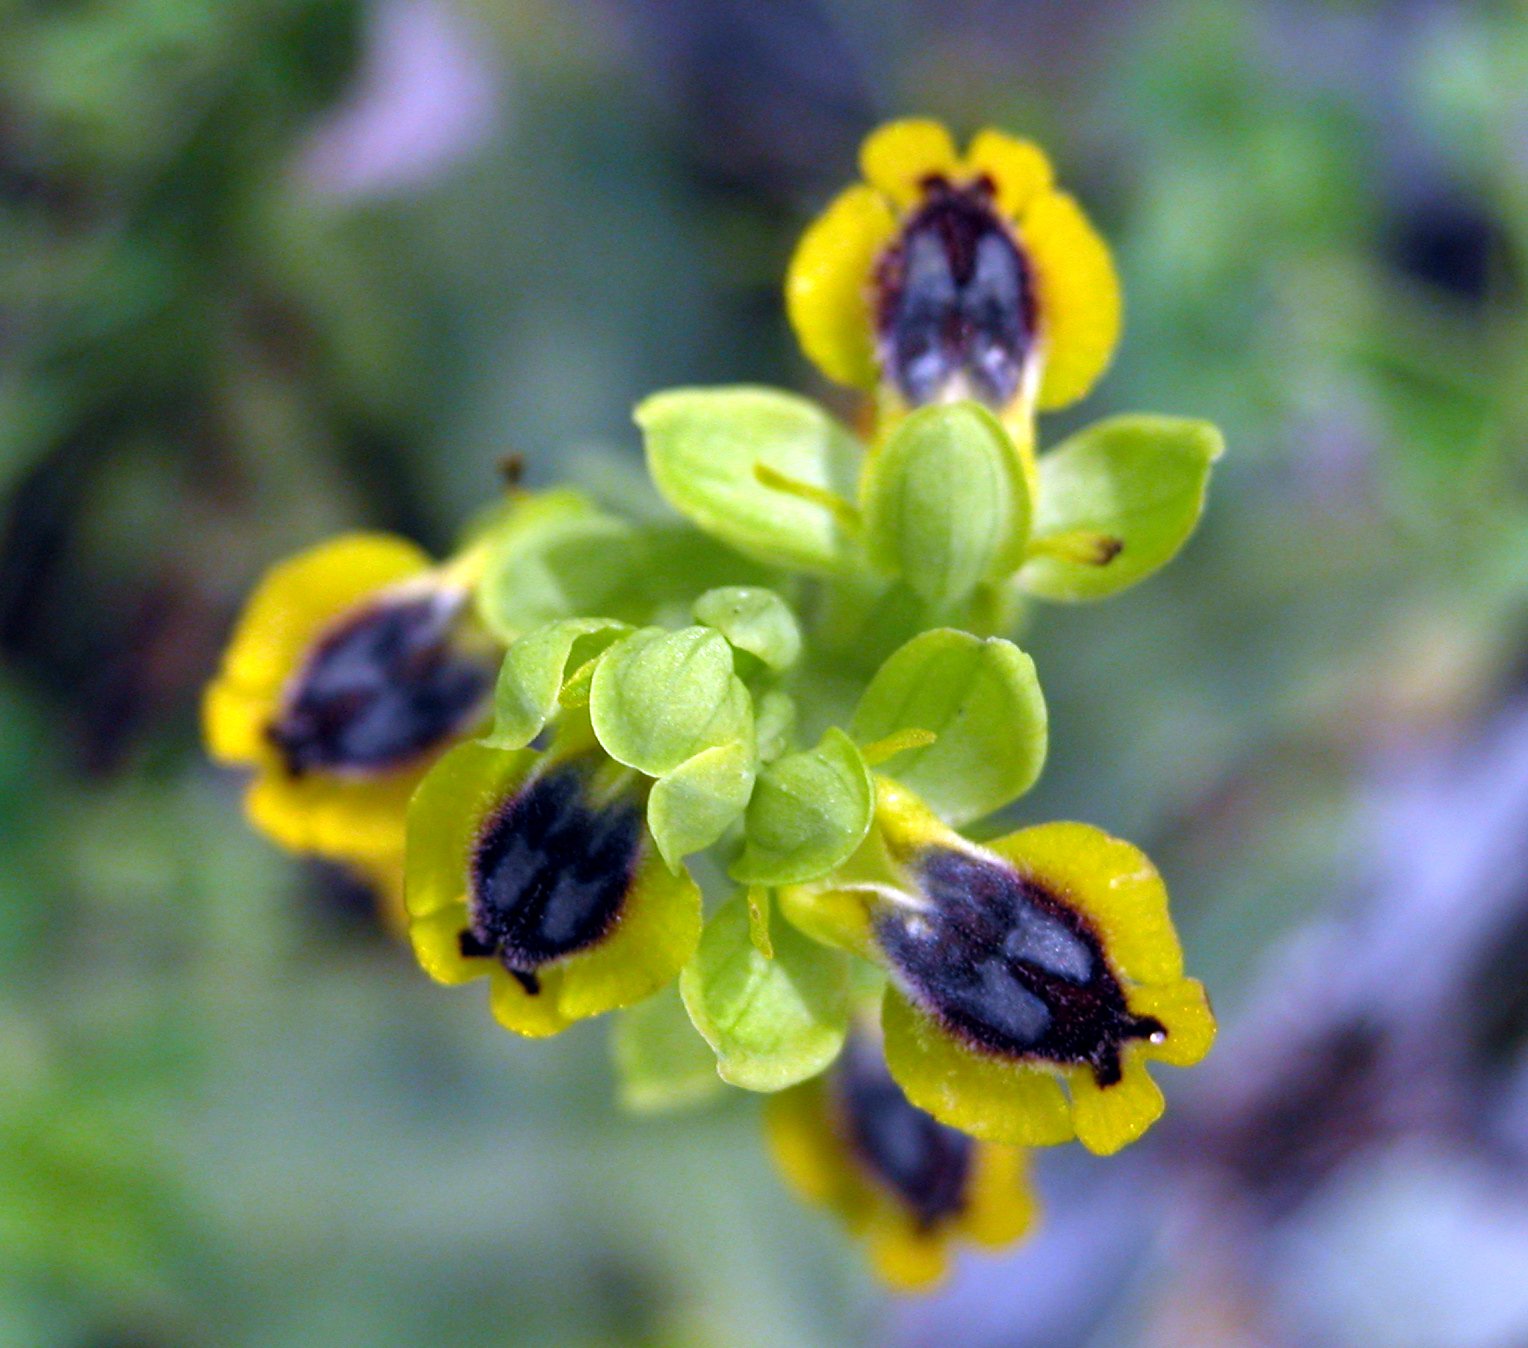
(943, 276)
(1042, 958)
(353, 667)
(538, 871)
(909, 1186)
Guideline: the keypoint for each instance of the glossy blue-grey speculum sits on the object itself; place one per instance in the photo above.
(924, 1162)
(1009, 966)
(380, 689)
(550, 873)
(955, 302)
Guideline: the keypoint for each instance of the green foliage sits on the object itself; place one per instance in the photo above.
(553, 557)
(945, 502)
(774, 722)
(809, 811)
(661, 1063)
(754, 620)
(1116, 501)
(693, 804)
(706, 449)
(660, 697)
(535, 671)
(773, 1021)
(980, 699)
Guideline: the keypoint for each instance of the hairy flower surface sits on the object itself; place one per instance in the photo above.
(1042, 958)
(349, 672)
(943, 277)
(538, 871)
(908, 1185)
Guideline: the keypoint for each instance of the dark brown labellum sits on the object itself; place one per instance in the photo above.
(924, 1162)
(550, 873)
(955, 310)
(384, 687)
(1010, 966)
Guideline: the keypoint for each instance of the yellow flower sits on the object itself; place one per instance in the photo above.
(538, 871)
(943, 277)
(1046, 957)
(351, 669)
(905, 1183)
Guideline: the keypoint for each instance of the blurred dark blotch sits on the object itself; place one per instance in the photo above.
(765, 99)
(1451, 243)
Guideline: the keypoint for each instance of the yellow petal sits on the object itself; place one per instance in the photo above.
(299, 597)
(437, 946)
(996, 1099)
(828, 285)
(897, 157)
(342, 818)
(234, 723)
(1018, 168)
(1111, 1117)
(1000, 1200)
(537, 1015)
(1184, 1010)
(1110, 882)
(1078, 296)
(905, 1258)
(807, 1150)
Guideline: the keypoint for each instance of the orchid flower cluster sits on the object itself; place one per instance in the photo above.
(724, 777)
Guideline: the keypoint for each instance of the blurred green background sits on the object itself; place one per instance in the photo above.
(270, 269)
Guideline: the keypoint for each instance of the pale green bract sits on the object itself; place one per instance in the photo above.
(945, 502)
(661, 1062)
(561, 557)
(533, 674)
(706, 447)
(774, 722)
(692, 805)
(660, 697)
(981, 700)
(809, 811)
(1116, 501)
(771, 1021)
(755, 620)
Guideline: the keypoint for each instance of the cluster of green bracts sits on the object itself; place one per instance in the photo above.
(710, 774)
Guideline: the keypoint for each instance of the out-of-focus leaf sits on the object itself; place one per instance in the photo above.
(706, 449)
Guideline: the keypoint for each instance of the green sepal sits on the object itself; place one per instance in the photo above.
(661, 1062)
(771, 1021)
(557, 556)
(809, 811)
(1116, 501)
(675, 562)
(691, 807)
(534, 672)
(981, 700)
(946, 503)
(755, 620)
(708, 448)
(660, 697)
(774, 720)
